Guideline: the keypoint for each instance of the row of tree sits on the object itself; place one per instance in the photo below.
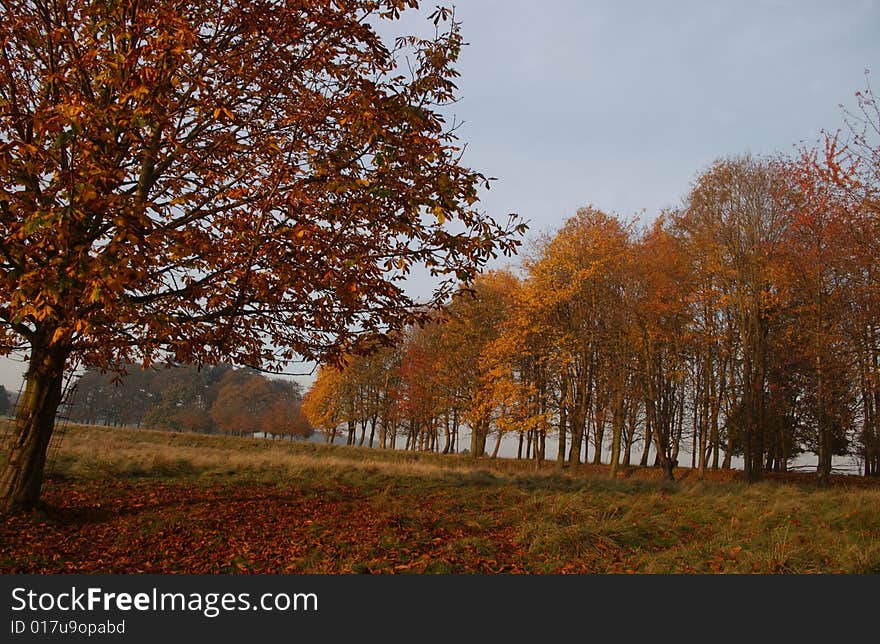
(744, 323)
(210, 399)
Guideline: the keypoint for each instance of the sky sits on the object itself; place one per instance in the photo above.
(620, 104)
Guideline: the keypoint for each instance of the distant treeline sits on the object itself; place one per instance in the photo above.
(211, 399)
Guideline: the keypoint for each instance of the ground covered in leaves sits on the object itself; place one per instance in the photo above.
(180, 504)
(254, 527)
(155, 527)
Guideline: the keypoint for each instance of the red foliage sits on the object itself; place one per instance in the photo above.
(148, 527)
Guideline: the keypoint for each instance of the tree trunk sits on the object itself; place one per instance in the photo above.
(560, 448)
(478, 438)
(661, 446)
(714, 434)
(22, 476)
(643, 462)
(617, 421)
(615, 449)
(373, 422)
(598, 438)
(630, 435)
(497, 445)
(725, 464)
(577, 430)
(823, 468)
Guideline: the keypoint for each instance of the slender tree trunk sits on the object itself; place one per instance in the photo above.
(697, 429)
(411, 435)
(22, 477)
(714, 434)
(615, 449)
(679, 427)
(599, 437)
(478, 438)
(574, 451)
(761, 405)
(660, 436)
(617, 421)
(823, 467)
(631, 434)
(560, 451)
(701, 419)
(577, 427)
(497, 445)
(649, 432)
(589, 421)
(873, 444)
(373, 421)
(726, 464)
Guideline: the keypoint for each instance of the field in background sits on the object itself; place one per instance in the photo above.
(142, 501)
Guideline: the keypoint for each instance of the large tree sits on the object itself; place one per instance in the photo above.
(852, 166)
(579, 278)
(217, 179)
(735, 224)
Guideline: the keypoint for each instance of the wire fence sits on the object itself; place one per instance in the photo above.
(6, 433)
(62, 420)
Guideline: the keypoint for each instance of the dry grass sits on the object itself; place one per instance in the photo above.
(505, 515)
(100, 451)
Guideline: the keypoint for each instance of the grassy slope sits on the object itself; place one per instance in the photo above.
(126, 501)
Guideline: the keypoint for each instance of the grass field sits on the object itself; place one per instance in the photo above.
(142, 501)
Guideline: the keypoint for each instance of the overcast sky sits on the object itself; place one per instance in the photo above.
(620, 104)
